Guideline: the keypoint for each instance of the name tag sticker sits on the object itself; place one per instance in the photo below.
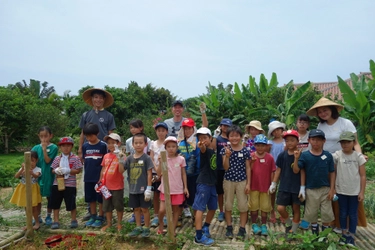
(262, 160)
(140, 162)
(240, 155)
(176, 165)
(323, 157)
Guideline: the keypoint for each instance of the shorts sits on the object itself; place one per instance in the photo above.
(232, 189)
(317, 198)
(260, 201)
(206, 196)
(115, 202)
(90, 194)
(176, 199)
(287, 198)
(68, 195)
(192, 188)
(219, 181)
(138, 200)
(156, 184)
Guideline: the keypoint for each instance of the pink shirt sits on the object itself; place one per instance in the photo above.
(261, 172)
(176, 185)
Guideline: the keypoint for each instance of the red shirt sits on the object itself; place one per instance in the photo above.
(261, 172)
(114, 180)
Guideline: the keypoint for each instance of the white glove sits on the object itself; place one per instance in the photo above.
(97, 188)
(58, 171)
(148, 193)
(65, 171)
(202, 107)
(272, 188)
(302, 193)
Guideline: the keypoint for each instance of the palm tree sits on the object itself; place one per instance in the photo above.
(39, 90)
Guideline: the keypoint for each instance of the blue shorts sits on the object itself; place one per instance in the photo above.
(205, 196)
(90, 194)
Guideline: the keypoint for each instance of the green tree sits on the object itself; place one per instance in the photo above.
(35, 88)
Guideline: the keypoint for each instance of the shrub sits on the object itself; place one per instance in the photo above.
(370, 166)
(9, 166)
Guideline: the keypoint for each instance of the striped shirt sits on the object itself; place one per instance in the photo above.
(74, 163)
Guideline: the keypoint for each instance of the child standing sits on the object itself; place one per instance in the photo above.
(262, 172)
(218, 144)
(289, 182)
(156, 147)
(252, 129)
(19, 195)
(111, 176)
(139, 167)
(46, 151)
(303, 124)
(236, 179)
(93, 151)
(318, 176)
(67, 165)
(350, 185)
(177, 182)
(206, 196)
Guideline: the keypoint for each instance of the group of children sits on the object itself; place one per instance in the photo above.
(205, 173)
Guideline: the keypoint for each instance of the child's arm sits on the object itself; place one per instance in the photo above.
(202, 147)
(226, 158)
(184, 181)
(213, 144)
(20, 172)
(149, 177)
(75, 171)
(297, 154)
(276, 175)
(202, 108)
(362, 174)
(248, 176)
(45, 154)
(332, 180)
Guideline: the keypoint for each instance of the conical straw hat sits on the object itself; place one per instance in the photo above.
(323, 102)
(88, 98)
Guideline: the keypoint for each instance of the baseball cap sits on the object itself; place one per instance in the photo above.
(113, 136)
(226, 121)
(188, 122)
(66, 140)
(291, 132)
(177, 102)
(161, 124)
(169, 139)
(261, 138)
(203, 131)
(347, 136)
(317, 133)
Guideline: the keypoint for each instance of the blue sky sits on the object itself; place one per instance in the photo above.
(182, 45)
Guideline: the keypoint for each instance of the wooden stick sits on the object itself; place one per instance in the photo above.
(29, 206)
(167, 196)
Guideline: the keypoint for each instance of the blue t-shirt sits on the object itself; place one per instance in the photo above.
(289, 181)
(317, 168)
(192, 157)
(237, 165)
(276, 148)
(93, 156)
(220, 143)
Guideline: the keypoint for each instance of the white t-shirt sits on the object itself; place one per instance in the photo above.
(348, 180)
(156, 149)
(333, 132)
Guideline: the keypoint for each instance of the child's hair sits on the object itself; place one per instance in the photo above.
(140, 135)
(234, 129)
(45, 128)
(334, 113)
(136, 123)
(91, 129)
(34, 155)
(304, 117)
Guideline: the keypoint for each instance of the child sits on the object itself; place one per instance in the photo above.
(262, 172)
(46, 151)
(289, 182)
(350, 185)
(318, 176)
(93, 151)
(253, 129)
(139, 167)
(177, 182)
(236, 179)
(111, 176)
(303, 124)
(68, 166)
(206, 196)
(19, 195)
(277, 145)
(156, 147)
(217, 144)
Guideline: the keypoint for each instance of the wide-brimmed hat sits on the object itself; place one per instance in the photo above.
(255, 124)
(87, 97)
(274, 125)
(323, 102)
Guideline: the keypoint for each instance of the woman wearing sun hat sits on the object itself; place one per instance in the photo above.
(333, 125)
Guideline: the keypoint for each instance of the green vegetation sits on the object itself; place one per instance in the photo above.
(9, 165)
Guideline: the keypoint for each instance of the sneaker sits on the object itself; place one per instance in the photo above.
(136, 231)
(132, 219)
(315, 229)
(264, 230)
(74, 224)
(229, 232)
(206, 231)
(48, 220)
(287, 229)
(337, 230)
(86, 217)
(98, 222)
(187, 212)
(221, 217)
(146, 233)
(350, 241)
(241, 234)
(256, 229)
(55, 225)
(325, 227)
(304, 225)
(204, 241)
(343, 239)
(90, 221)
(155, 222)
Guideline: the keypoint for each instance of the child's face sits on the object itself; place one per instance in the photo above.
(205, 139)
(161, 133)
(347, 146)
(224, 129)
(91, 138)
(45, 136)
(171, 148)
(139, 144)
(316, 142)
(33, 162)
(111, 144)
(188, 131)
(260, 148)
(98, 101)
(234, 138)
(277, 133)
(254, 132)
(135, 130)
(66, 148)
(302, 125)
(291, 142)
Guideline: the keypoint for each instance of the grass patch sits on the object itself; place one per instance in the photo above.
(9, 165)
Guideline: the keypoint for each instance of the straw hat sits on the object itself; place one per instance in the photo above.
(255, 124)
(108, 101)
(323, 102)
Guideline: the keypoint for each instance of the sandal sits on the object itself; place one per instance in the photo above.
(74, 224)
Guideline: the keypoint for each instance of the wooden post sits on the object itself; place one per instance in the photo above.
(29, 206)
(167, 195)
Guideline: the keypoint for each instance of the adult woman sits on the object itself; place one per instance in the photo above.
(333, 125)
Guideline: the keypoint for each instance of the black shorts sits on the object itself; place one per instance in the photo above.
(156, 184)
(68, 195)
(115, 202)
(138, 200)
(192, 188)
(90, 194)
(219, 181)
(286, 199)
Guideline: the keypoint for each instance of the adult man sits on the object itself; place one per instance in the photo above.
(174, 123)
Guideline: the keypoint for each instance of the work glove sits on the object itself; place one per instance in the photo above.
(58, 171)
(65, 171)
(97, 185)
(272, 188)
(148, 193)
(202, 107)
(302, 194)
